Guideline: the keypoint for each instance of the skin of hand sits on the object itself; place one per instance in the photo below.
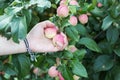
(39, 43)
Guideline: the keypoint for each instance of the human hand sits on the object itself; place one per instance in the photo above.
(39, 43)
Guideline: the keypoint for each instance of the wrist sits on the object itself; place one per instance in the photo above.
(30, 52)
(29, 42)
(10, 47)
(22, 47)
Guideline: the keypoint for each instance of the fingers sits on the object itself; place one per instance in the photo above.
(58, 47)
(47, 23)
(65, 41)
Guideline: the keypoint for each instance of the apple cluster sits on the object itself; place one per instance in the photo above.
(56, 36)
(64, 11)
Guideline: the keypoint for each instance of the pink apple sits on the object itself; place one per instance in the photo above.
(58, 40)
(73, 2)
(73, 20)
(50, 32)
(36, 71)
(72, 48)
(62, 2)
(63, 11)
(60, 76)
(99, 4)
(53, 72)
(83, 18)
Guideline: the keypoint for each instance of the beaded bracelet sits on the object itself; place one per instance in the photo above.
(32, 55)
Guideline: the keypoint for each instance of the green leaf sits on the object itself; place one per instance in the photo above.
(64, 23)
(0, 77)
(112, 35)
(117, 51)
(74, 30)
(35, 20)
(97, 12)
(18, 28)
(15, 29)
(15, 2)
(22, 28)
(81, 29)
(72, 9)
(94, 2)
(90, 7)
(10, 71)
(95, 23)
(4, 20)
(57, 1)
(28, 15)
(66, 73)
(68, 54)
(80, 53)
(78, 69)
(109, 76)
(114, 74)
(40, 61)
(107, 22)
(90, 44)
(1, 66)
(6, 76)
(103, 63)
(101, 1)
(72, 33)
(12, 10)
(84, 7)
(54, 6)
(40, 3)
(22, 63)
(115, 11)
(105, 47)
(3, 5)
(43, 3)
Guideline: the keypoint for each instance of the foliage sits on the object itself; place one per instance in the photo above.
(97, 42)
